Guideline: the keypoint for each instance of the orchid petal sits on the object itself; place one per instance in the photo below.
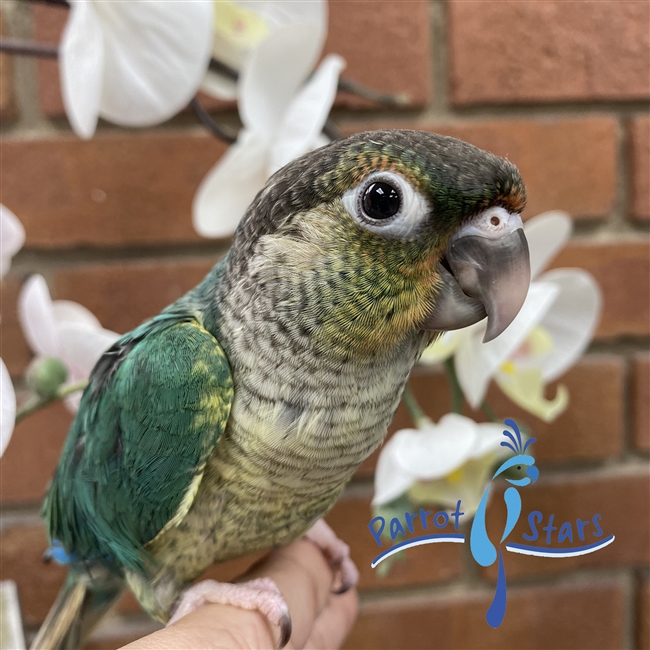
(466, 485)
(219, 86)
(282, 13)
(489, 439)
(307, 113)
(66, 311)
(525, 387)
(7, 407)
(442, 348)
(240, 27)
(237, 30)
(571, 321)
(82, 345)
(37, 318)
(273, 74)
(433, 451)
(391, 479)
(156, 55)
(476, 362)
(81, 64)
(12, 238)
(229, 187)
(546, 233)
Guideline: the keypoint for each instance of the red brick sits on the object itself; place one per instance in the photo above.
(641, 401)
(622, 498)
(643, 614)
(13, 348)
(48, 26)
(525, 52)
(7, 104)
(21, 560)
(622, 270)
(123, 295)
(109, 191)
(590, 429)
(116, 632)
(118, 638)
(350, 517)
(386, 46)
(563, 615)
(401, 65)
(31, 457)
(639, 135)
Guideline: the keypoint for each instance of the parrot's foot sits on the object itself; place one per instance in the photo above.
(261, 594)
(337, 554)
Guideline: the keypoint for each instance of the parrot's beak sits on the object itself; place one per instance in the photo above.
(485, 272)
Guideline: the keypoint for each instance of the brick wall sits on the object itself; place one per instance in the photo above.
(562, 89)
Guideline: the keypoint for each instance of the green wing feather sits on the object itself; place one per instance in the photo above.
(150, 419)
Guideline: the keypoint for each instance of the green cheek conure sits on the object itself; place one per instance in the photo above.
(230, 422)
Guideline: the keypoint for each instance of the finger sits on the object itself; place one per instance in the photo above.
(211, 627)
(335, 622)
(304, 578)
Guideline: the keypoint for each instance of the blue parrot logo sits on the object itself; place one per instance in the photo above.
(483, 550)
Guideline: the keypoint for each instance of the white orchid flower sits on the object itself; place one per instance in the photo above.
(281, 122)
(132, 63)
(439, 463)
(242, 25)
(547, 337)
(63, 330)
(12, 238)
(7, 407)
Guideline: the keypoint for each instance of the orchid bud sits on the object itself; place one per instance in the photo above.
(45, 375)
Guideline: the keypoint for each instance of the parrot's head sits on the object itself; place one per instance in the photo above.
(384, 233)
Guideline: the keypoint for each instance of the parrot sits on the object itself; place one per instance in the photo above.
(231, 422)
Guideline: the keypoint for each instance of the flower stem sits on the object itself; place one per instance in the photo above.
(456, 390)
(210, 124)
(59, 3)
(489, 411)
(415, 410)
(35, 402)
(388, 99)
(345, 85)
(28, 48)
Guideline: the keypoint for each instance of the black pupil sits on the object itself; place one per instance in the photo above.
(518, 466)
(381, 201)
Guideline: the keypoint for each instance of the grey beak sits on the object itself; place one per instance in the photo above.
(490, 275)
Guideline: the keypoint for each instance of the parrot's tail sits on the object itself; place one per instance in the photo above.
(81, 604)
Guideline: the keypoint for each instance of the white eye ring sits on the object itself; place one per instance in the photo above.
(407, 222)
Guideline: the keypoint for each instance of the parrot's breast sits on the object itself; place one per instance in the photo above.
(301, 422)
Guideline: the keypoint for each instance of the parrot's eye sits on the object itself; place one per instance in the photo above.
(381, 201)
(387, 204)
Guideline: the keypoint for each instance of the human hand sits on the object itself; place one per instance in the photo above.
(320, 619)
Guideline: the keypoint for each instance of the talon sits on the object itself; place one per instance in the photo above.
(337, 554)
(285, 630)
